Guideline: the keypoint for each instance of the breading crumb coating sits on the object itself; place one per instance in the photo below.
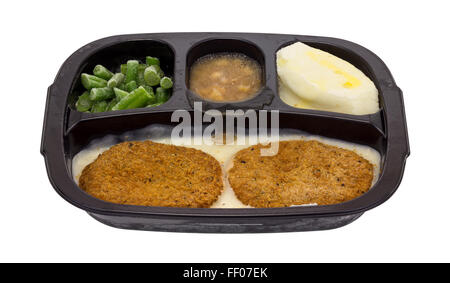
(154, 174)
(303, 172)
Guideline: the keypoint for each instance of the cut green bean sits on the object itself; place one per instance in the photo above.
(166, 83)
(102, 72)
(159, 70)
(132, 70)
(162, 95)
(150, 91)
(83, 103)
(120, 94)
(99, 94)
(155, 104)
(116, 80)
(111, 104)
(90, 81)
(122, 86)
(140, 76)
(151, 76)
(123, 69)
(137, 98)
(99, 107)
(131, 86)
(152, 61)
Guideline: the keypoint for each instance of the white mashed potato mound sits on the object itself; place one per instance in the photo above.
(314, 79)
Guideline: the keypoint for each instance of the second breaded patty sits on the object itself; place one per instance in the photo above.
(154, 174)
(302, 172)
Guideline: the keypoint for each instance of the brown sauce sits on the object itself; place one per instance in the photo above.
(225, 77)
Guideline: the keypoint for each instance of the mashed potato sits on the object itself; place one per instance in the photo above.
(314, 79)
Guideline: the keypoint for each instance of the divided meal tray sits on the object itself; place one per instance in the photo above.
(66, 131)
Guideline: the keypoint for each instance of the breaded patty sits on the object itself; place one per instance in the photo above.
(154, 174)
(302, 172)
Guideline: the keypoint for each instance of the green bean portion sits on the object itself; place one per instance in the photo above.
(123, 69)
(102, 72)
(120, 93)
(89, 81)
(137, 98)
(132, 70)
(152, 61)
(155, 104)
(166, 83)
(137, 84)
(99, 107)
(151, 76)
(140, 75)
(84, 103)
(162, 95)
(116, 80)
(99, 94)
(111, 104)
(131, 86)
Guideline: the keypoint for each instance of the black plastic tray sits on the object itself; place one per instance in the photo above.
(67, 131)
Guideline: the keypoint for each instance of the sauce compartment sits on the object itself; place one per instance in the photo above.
(67, 131)
(224, 46)
(225, 77)
(228, 46)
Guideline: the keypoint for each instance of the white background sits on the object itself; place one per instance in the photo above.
(36, 224)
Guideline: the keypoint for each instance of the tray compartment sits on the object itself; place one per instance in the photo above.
(353, 131)
(112, 57)
(350, 130)
(344, 53)
(224, 46)
(116, 54)
(235, 45)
